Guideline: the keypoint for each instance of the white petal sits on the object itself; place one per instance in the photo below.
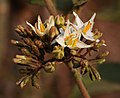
(31, 26)
(60, 41)
(93, 17)
(61, 30)
(104, 45)
(78, 20)
(51, 21)
(39, 22)
(53, 42)
(88, 36)
(81, 44)
(67, 30)
(57, 39)
(91, 21)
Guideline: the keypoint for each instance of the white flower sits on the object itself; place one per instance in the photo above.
(85, 28)
(39, 27)
(50, 22)
(69, 38)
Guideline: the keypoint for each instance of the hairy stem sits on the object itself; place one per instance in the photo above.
(51, 7)
(78, 80)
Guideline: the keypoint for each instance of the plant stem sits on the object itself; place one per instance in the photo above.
(78, 80)
(51, 7)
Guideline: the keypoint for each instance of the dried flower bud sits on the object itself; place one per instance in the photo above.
(27, 53)
(28, 41)
(29, 33)
(35, 50)
(49, 67)
(99, 44)
(102, 55)
(84, 63)
(97, 34)
(21, 31)
(58, 52)
(83, 70)
(23, 81)
(24, 60)
(73, 52)
(38, 43)
(34, 83)
(18, 43)
(53, 32)
(93, 73)
(100, 61)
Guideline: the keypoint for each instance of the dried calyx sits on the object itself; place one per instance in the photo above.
(64, 41)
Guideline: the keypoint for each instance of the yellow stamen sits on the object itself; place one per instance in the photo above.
(87, 27)
(70, 41)
(74, 42)
(42, 27)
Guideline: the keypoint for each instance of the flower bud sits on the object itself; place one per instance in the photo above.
(99, 44)
(53, 32)
(49, 67)
(84, 63)
(102, 55)
(35, 50)
(59, 20)
(83, 71)
(18, 43)
(23, 81)
(100, 61)
(24, 60)
(26, 52)
(58, 52)
(93, 73)
(97, 34)
(73, 52)
(21, 31)
(28, 41)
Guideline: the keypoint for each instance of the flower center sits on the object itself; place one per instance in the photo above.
(42, 27)
(71, 40)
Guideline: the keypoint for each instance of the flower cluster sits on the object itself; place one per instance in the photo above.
(66, 42)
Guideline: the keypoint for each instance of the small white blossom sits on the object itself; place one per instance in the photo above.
(70, 38)
(39, 27)
(85, 28)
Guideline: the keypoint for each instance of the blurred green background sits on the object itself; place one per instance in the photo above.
(60, 83)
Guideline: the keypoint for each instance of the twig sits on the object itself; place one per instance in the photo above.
(77, 77)
(51, 7)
